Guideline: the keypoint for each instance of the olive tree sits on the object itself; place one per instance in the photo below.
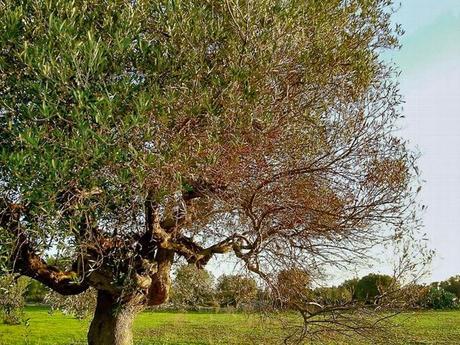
(136, 132)
(234, 290)
(192, 287)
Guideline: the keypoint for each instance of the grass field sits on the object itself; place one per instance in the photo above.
(216, 328)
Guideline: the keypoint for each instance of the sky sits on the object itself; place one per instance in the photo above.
(430, 84)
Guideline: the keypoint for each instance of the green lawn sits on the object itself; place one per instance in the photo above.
(216, 328)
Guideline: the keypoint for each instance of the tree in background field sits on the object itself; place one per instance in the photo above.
(79, 306)
(372, 286)
(12, 299)
(452, 285)
(35, 292)
(192, 287)
(133, 133)
(350, 285)
(332, 295)
(234, 290)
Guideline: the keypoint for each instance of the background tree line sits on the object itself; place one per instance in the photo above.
(195, 289)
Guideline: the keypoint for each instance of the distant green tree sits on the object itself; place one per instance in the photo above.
(333, 295)
(452, 285)
(35, 292)
(351, 285)
(233, 290)
(192, 287)
(373, 285)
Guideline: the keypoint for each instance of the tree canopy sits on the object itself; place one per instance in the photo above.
(134, 132)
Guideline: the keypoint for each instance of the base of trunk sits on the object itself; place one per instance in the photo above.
(112, 322)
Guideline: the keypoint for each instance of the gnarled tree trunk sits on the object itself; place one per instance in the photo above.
(113, 320)
(113, 317)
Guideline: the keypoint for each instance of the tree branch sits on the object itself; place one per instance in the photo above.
(27, 262)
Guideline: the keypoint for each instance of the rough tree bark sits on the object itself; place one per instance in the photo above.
(112, 322)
